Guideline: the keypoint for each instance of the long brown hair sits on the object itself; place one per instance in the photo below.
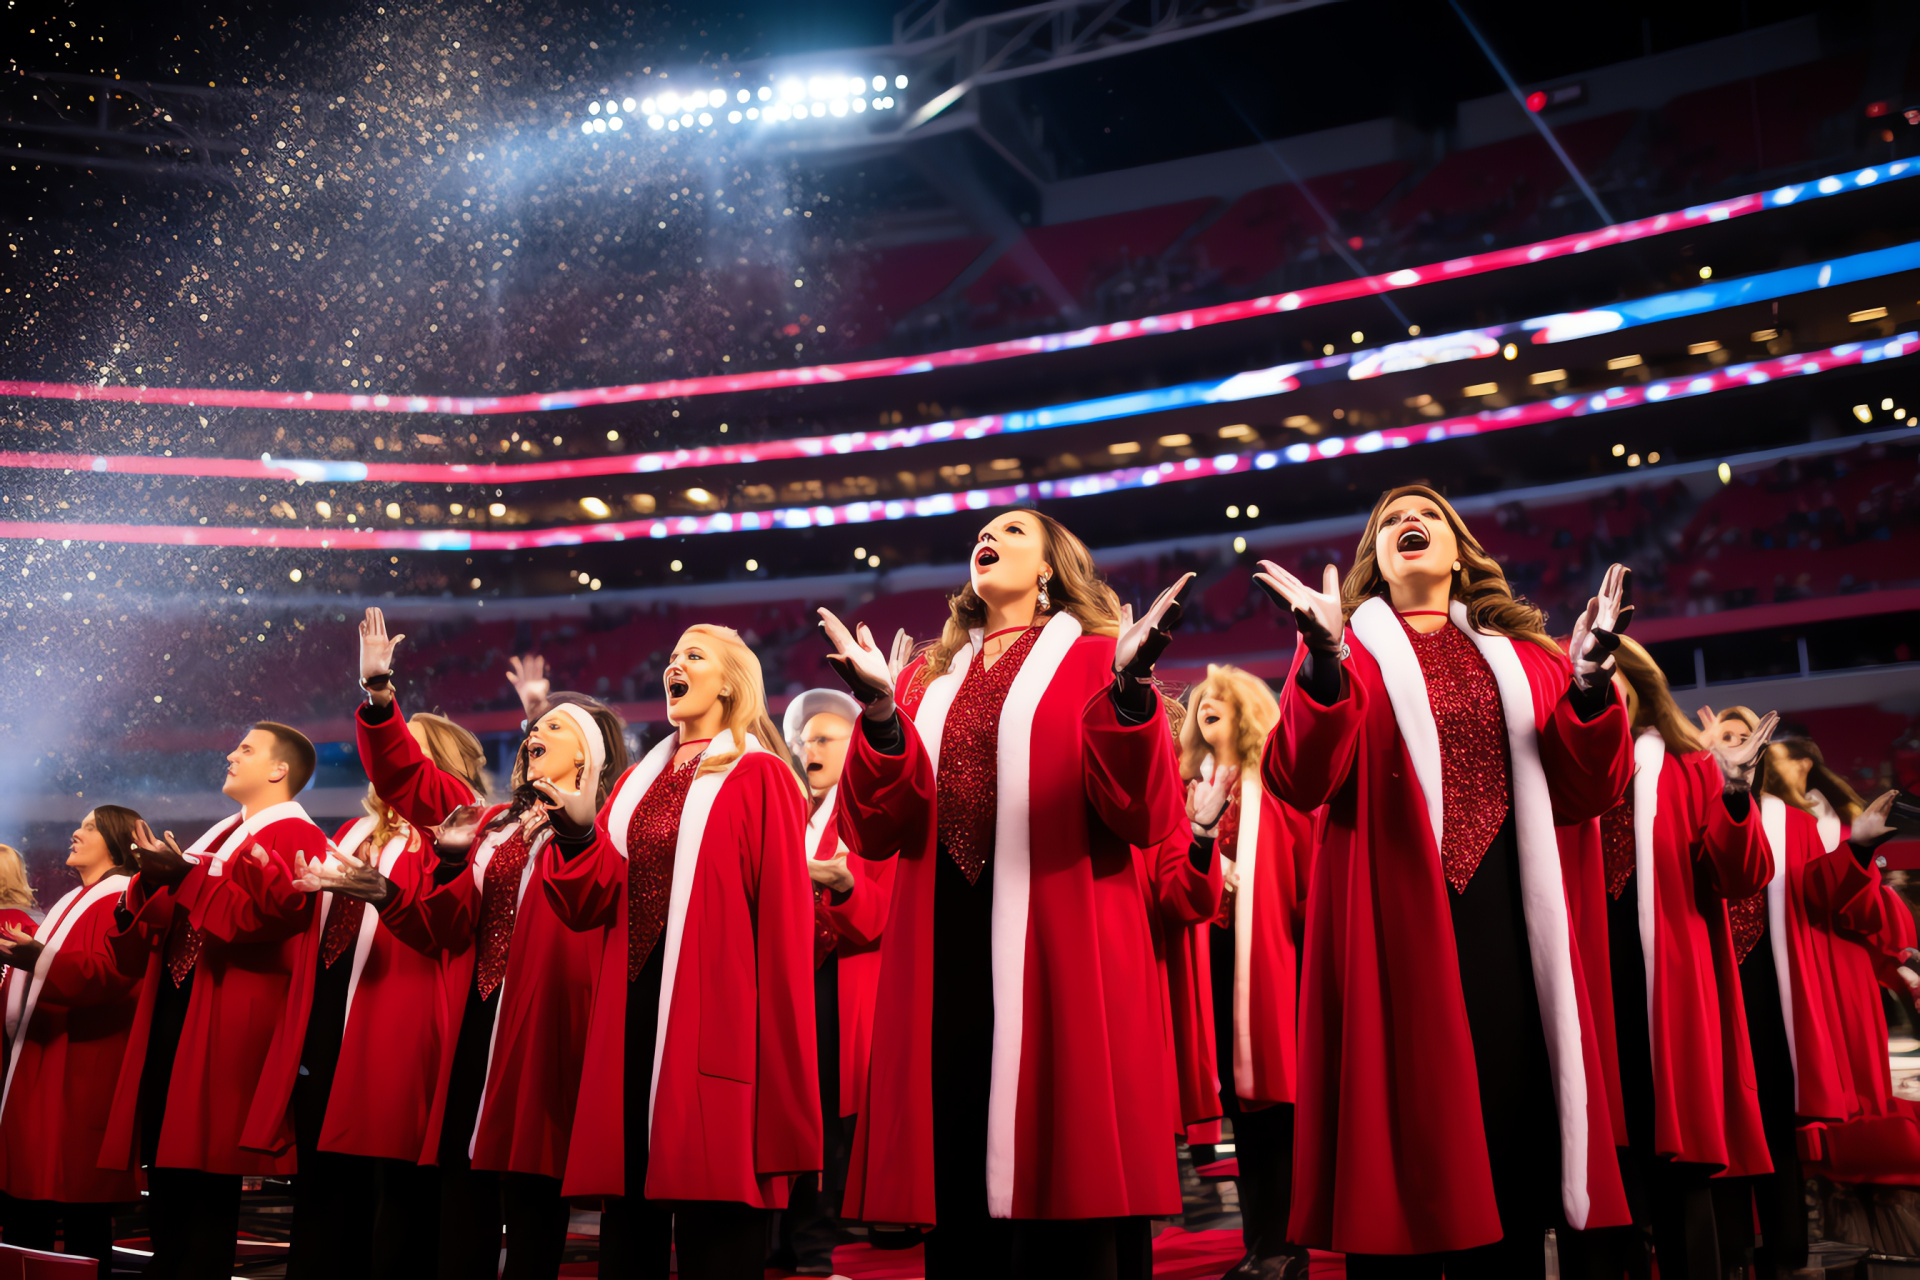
(115, 823)
(449, 746)
(1255, 713)
(613, 731)
(1076, 588)
(1650, 703)
(1821, 777)
(747, 705)
(1480, 585)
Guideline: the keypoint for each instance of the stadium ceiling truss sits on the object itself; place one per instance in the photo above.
(179, 132)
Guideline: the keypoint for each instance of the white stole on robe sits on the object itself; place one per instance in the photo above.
(1012, 871)
(1246, 855)
(694, 815)
(24, 996)
(1542, 893)
(369, 920)
(1773, 821)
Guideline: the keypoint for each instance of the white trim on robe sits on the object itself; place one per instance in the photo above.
(1542, 892)
(1773, 821)
(23, 999)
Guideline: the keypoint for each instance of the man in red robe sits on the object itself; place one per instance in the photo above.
(220, 930)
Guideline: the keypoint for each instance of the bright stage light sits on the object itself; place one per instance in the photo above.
(743, 96)
(593, 108)
(792, 91)
(899, 82)
(656, 122)
(764, 93)
(628, 105)
(614, 124)
(705, 119)
(733, 117)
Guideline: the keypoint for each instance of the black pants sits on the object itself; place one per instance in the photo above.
(333, 1196)
(1263, 1139)
(476, 1205)
(1780, 1197)
(1517, 1105)
(195, 1219)
(85, 1230)
(810, 1224)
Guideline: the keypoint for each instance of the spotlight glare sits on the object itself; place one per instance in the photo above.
(586, 126)
(614, 124)
(821, 87)
(647, 107)
(593, 108)
(675, 566)
(873, 562)
(673, 126)
(733, 117)
(792, 91)
(669, 102)
(819, 109)
(753, 113)
(859, 105)
(686, 120)
(612, 106)
(899, 82)
(705, 119)
(765, 93)
(1863, 413)
(839, 107)
(599, 126)
(596, 507)
(626, 105)
(879, 83)
(656, 122)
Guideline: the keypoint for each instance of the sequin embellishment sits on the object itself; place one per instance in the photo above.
(966, 793)
(499, 901)
(1476, 784)
(652, 837)
(1617, 849)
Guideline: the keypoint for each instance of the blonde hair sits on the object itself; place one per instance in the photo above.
(1255, 712)
(1480, 585)
(1650, 703)
(449, 746)
(746, 705)
(1076, 587)
(16, 890)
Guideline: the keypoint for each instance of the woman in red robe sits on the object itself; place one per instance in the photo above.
(700, 1100)
(1450, 1106)
(517, 986)
(1266, 849)
(349, 1081)
(69, 1008)
(1011, 767)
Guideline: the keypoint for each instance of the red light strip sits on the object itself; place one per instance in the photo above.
(894, 366)
(1483, 423)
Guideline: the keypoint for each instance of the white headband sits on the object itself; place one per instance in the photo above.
(596, 743)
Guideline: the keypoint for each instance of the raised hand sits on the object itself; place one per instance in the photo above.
(376, 655)
(1141, 643)
(1873, 827)
(901, 654)
(161, 861)
(1738, 763)
(1319, 614)
(351, 878)
(1207, 798)
(576, 807)
(453, 838)
(857, 661)
(1597, 631)
(528, 676)
(832, 873)
(20, 948)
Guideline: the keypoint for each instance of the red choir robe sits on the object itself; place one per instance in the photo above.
(1896, 935)
(239, 987)
(1273, 853)
(540, 1025)
(1583, 866)
(1844, 906)
(1390, 1149)
(857, 926)
(1822, 1090)
(734, 1108)
(383, 1086)
(1077, 1118)
(1690, 857)
(67, 1021)
(1181, 900)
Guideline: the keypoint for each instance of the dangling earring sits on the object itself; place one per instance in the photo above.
(1456, 566)
(1046, 604)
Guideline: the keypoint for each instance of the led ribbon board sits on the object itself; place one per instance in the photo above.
(1477, 424)
(1398, 357)
(894, 366)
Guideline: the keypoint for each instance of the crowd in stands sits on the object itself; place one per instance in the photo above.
(1718, 141)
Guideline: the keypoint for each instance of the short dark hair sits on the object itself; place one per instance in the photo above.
(291, 748)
